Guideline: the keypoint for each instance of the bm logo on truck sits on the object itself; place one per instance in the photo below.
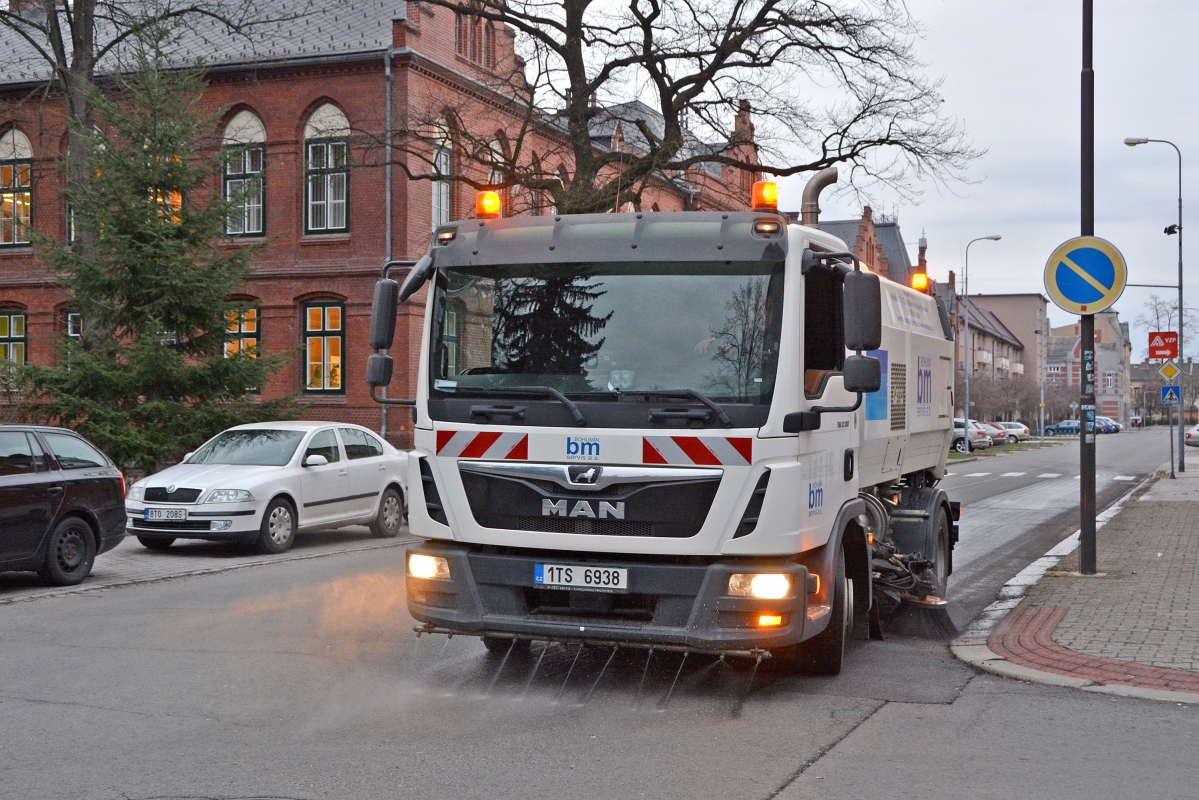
(582, 449)
(815, 499)
(924, 386)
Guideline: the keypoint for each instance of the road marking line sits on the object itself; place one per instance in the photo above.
(976, 474)
(1012, 474)
(949, 474)
(1077, 477)
(1125, 478)
(1050, 475)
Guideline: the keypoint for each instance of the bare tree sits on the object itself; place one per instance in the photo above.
(1159, 314)
(623, 94)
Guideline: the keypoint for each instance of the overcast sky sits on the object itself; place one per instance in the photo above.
(1011, 72)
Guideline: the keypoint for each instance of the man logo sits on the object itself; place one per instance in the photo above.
(588, 476)
(582, 449)
(582, 508)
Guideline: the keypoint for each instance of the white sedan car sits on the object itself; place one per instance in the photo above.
(262, 483)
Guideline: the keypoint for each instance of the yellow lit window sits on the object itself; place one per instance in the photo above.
(324, 343)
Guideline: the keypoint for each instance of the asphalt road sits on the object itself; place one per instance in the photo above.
(304, 680)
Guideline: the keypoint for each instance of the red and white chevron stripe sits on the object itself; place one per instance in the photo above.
(488, 444)
(697, 450)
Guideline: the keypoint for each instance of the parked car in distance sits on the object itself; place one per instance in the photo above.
(1069, 427)
(998, 434)
(262, 483)
(978, 439)
(1016, 432)
(1107, 425)
(61, 503)
(1192, 437)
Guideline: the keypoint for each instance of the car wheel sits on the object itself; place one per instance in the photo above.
(70, 555)
(824, 653)
(156, 542)
(960, 446)
(278, 529)
(390, 517)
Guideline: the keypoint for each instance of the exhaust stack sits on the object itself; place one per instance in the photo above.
(810, 210)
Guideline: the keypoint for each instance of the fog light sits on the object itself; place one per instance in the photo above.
(222, 524)
(765, 586)
(769, 620)
(422, 566)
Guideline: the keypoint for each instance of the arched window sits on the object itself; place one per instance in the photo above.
(16, 179)
(462, 34)
(442, 166)
(12, 336)
(476, 44)
(489, 45)
(245, 161)
(327, 170)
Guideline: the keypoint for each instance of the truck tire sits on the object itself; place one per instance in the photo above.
(824, 652)
(942, 563)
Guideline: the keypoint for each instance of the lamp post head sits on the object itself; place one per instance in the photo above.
(993, 238)
(1133, 141)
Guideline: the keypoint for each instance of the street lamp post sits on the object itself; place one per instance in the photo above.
(1133, 141)
(966, 319)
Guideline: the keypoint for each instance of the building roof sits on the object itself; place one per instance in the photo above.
(1060, 348)
(987, 322)
(289, 30)
(890, 241)
(625, 116)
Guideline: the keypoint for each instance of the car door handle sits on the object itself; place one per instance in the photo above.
(54, 489)
(343, 473)
(382, 467)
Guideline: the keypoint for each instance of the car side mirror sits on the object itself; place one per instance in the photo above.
(315, 460)
(862, 374)
(863, 311)
(186, 456)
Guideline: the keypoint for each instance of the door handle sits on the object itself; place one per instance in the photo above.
(54, 489)
(382, 467)
(342, 473)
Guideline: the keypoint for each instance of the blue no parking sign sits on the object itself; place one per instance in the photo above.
(1085, 275)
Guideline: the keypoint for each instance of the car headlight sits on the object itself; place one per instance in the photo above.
(135, 494)
(229, 496)
(764, 585)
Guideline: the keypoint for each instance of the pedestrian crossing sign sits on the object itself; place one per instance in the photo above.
(1170, 395)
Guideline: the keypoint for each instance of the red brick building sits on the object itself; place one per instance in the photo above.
(310, 103)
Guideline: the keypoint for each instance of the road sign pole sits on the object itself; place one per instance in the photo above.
(1086, 438)
(1170, 419)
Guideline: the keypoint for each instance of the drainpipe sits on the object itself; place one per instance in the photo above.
(810, 209)
(386, 196)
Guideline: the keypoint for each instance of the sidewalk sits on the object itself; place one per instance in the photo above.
(1132, 630)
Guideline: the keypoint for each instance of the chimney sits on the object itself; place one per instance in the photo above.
(921, 261)
(743, 126)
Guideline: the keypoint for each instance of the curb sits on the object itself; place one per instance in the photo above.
(972, 646)
(264, 561)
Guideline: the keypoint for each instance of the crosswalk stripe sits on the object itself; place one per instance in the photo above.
(950, 474)
(1050, 475)
(1011, 474)
(976, 474)
(1126, 477)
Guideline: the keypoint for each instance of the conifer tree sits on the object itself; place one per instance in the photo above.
(148, 378)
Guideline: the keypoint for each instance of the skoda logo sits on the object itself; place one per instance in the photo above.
(586, 475)
(171, 489)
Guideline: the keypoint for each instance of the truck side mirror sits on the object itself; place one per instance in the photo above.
(863, 314)
(383, 314)
(378, 370)
(862, 373)
(416, 278)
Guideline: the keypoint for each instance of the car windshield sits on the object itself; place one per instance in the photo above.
(261, 448)
(605, 328)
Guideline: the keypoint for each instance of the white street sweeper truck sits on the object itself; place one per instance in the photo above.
(701, 431)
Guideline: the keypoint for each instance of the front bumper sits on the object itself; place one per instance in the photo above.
(215, 521)
(670, 604)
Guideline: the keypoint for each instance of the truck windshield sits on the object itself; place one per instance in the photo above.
(606, 328)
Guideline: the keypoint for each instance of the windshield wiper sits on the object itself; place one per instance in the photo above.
(694, 394)
(547, 391)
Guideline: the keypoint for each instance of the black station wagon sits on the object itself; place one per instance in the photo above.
(62, 503)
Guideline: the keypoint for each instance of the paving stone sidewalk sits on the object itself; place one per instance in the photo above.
(129, 563)
(1132, 629)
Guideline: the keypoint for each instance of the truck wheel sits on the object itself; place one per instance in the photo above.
(498, 645)
(824, 652)
(941, 565)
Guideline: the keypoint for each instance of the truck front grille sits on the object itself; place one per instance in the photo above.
(598, 527)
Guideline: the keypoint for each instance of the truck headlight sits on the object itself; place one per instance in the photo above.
(229, 496)
(762, 585)
(422, 566)
(135, 494)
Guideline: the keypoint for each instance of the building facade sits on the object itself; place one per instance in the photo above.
(1113, 364)
(310, 111)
